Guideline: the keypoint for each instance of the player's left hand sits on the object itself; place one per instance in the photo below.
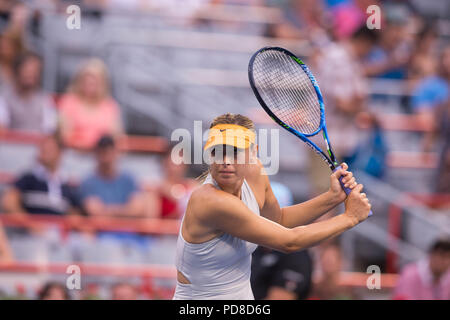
(349, 181)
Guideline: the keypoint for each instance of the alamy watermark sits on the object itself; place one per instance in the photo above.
(73, 282)
(374, 280)
(374, 19)
(74, 19)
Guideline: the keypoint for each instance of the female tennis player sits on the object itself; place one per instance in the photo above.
(235, 210)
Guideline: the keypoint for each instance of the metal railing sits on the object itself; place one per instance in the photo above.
(419, 218)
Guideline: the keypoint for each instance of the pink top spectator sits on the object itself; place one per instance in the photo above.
(85, 124)
(416, 283)
(347, 19)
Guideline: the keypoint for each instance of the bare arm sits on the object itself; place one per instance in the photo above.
(227, 213)
(306, 212)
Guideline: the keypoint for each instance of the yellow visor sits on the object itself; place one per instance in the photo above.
(230, 134)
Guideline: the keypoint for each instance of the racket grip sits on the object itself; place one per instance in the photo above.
(346, 190)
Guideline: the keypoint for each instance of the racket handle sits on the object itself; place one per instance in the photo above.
(346, 190)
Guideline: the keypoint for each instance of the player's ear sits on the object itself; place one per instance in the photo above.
(255, 149)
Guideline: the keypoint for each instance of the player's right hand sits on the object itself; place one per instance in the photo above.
(357, 206)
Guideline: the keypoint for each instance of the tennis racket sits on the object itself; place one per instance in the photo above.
(289, 93)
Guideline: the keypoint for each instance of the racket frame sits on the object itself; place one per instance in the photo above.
(330, 159)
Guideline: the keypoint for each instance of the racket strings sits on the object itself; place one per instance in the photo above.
(291, 111)
(289, 108)
(288, 61)
(287, 91)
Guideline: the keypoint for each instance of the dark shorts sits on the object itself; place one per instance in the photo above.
(292, 272)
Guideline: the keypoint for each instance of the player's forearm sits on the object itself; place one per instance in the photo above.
(306, 212)
(310, 235)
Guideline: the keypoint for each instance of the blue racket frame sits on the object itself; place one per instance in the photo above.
(330, 159)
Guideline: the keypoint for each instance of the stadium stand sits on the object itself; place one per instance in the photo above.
(168, 68)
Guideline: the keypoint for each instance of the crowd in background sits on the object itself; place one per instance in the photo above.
(86, 117)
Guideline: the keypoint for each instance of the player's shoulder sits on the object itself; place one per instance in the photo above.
(256, 175)
(206, 198)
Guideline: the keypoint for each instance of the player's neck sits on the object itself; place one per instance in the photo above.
(235, 189)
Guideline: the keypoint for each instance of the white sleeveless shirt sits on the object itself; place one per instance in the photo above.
(220, 268)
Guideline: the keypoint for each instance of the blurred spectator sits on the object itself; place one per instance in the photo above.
(326, 285)
(24, 106)
(124, 291)
(347, 16)
(431, 88)
(302, 19)
(13, 15)
(430, 93)
(5, 251)
(370, 154)
(442, 129)
(443, 173)
(425, 43)
(173, 191)
(88, 111)
(53, 291)
(439, 137)
(279, 276)
(439, 115)
(42, 190)
(5, 12)
(340, 74)
(11, 47)
(109, 192)
(428, 279)
(91, 291)
(388, 59)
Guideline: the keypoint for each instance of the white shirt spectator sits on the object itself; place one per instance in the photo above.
(339, 73)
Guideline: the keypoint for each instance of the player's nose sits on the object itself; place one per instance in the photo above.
(227, 160)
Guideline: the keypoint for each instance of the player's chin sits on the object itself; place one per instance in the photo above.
(226, 176)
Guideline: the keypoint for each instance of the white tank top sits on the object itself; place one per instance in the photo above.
(219, 268)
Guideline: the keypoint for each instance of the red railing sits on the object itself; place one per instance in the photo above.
(145, 226)
(137, 225)
(93, 269)
(395, 216)
(347, 279)
(128, 143)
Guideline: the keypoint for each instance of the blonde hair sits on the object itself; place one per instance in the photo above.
(91, 66)
(232, 118)
(228, 118)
